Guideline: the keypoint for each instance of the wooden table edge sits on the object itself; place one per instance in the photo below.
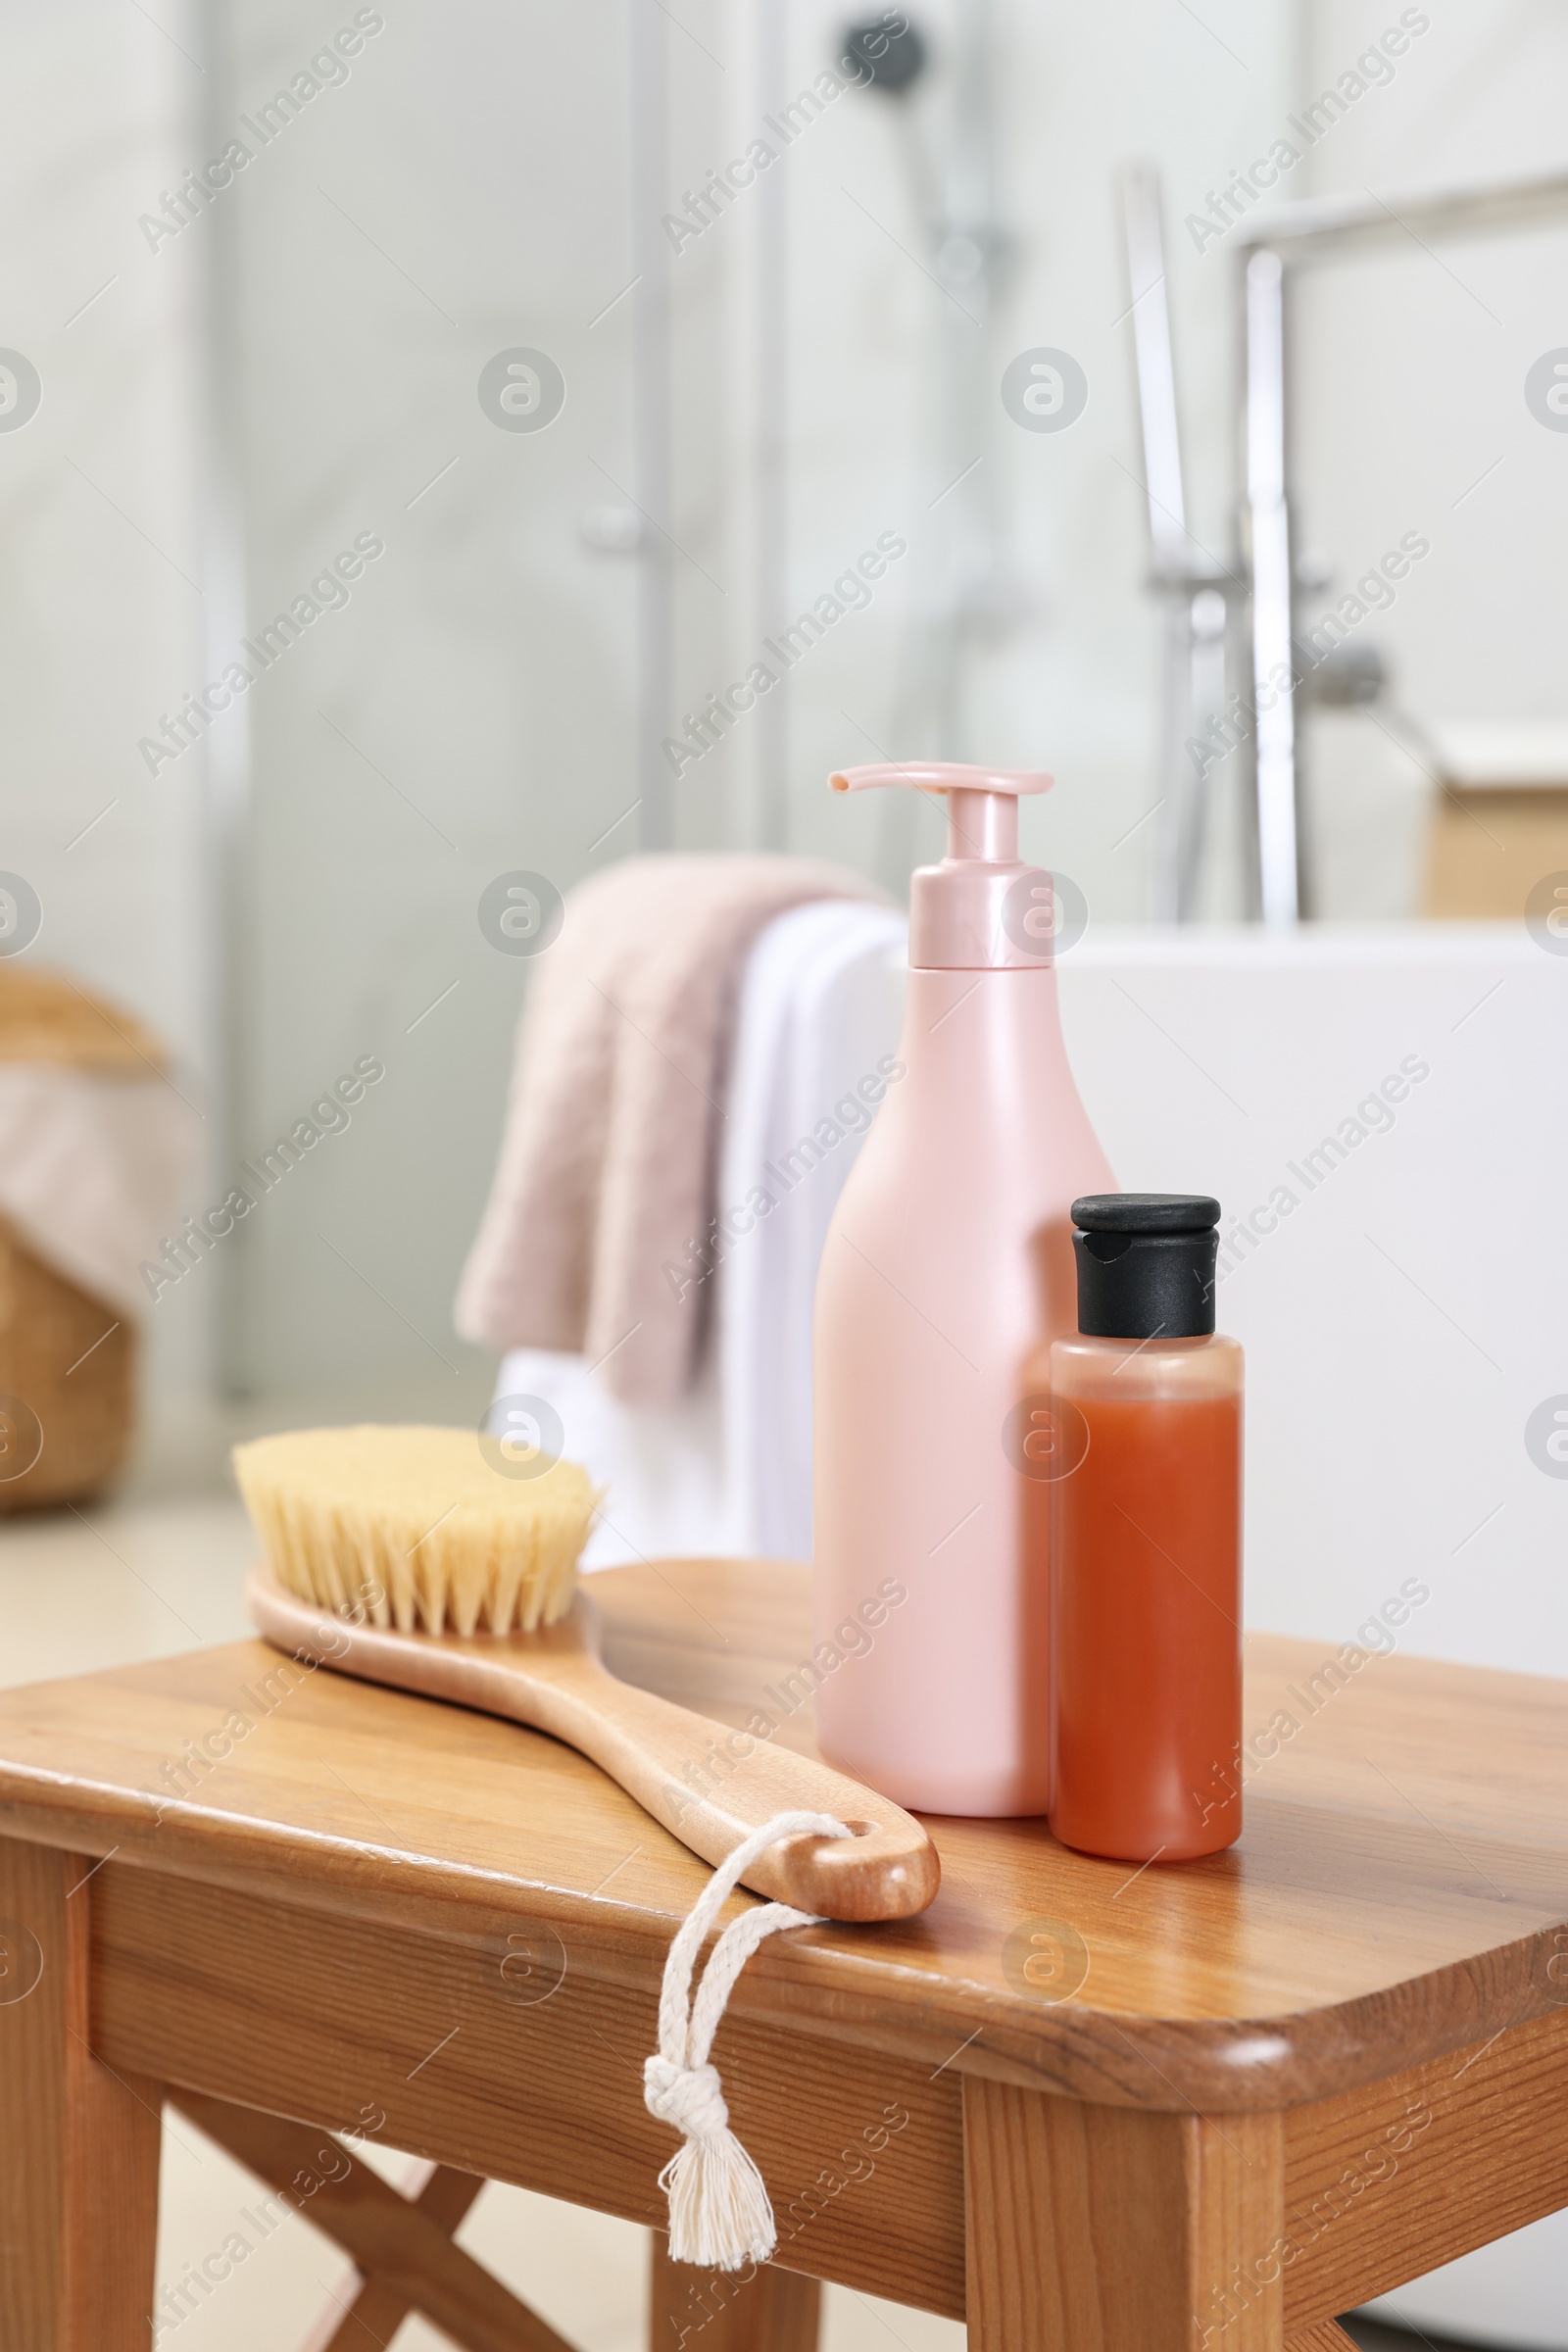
(1158, 2063)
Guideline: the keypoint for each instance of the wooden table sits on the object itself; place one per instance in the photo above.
(1198, 2106)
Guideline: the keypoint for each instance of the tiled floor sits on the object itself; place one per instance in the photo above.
(157, 1571)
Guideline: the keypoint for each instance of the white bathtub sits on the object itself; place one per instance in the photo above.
(1404, 1306)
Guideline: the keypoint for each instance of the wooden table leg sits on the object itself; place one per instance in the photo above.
(764, 2310)
(79, 2144)
(402, 2244)
(378, 2311)
(1119, 2229)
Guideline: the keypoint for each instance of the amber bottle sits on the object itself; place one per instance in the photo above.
(1146, 1539)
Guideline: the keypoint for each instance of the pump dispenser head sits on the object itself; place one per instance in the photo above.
(981, 907)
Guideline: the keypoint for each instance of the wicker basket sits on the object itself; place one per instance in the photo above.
(68, 1361)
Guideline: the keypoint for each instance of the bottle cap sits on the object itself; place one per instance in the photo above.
(1145, 1264)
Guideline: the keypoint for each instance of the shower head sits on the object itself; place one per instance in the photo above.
(890, 52)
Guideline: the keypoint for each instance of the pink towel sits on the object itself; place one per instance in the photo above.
(605, 1184)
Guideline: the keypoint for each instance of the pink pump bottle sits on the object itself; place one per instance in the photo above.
(948, 1265)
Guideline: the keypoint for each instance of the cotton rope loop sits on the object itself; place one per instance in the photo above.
(719, 2215)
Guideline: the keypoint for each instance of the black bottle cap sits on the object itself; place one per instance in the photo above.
(1145, 1264)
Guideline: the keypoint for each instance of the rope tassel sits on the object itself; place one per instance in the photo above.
(719, 2215)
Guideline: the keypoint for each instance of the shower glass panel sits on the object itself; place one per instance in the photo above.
(423, 414)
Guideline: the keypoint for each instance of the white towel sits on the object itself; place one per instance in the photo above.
(819, 1024)
(728, 1468)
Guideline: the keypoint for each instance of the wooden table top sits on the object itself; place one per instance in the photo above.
(1399, 1890)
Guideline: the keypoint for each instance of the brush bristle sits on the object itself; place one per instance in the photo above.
(412, 1527)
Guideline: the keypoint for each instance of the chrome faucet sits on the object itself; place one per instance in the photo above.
(1259, 588)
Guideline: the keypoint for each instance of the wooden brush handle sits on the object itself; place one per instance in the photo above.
(888, 1870)
(708, 1786)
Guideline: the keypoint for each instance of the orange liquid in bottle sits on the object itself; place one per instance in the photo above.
(1146, 1597)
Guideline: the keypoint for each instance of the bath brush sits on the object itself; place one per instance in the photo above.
(402, 1556)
